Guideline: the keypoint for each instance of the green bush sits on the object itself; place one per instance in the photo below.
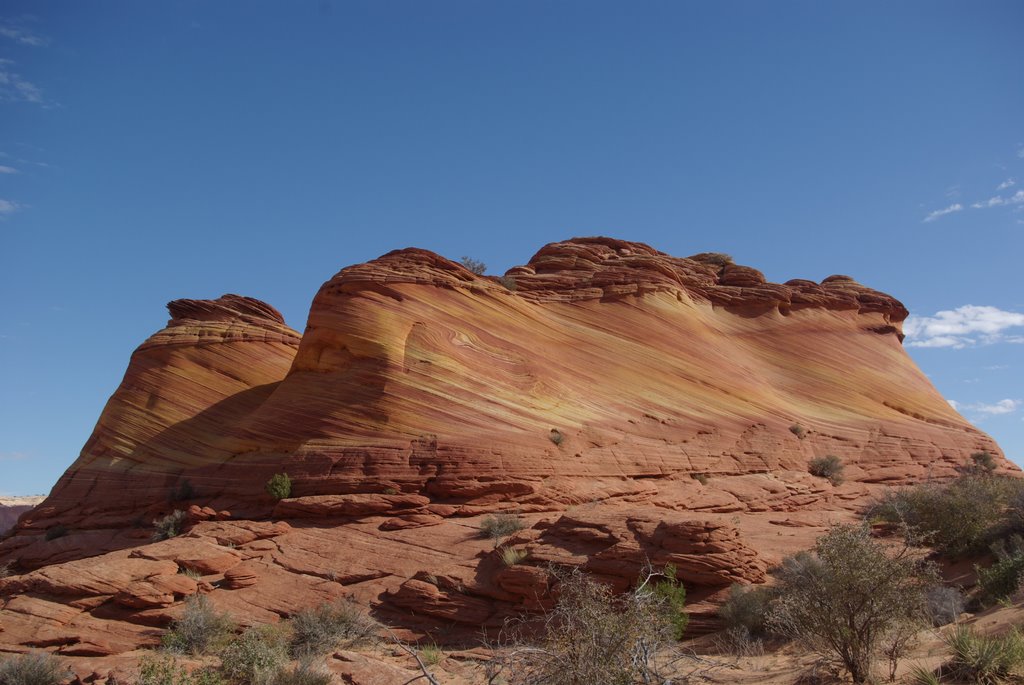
(169, 526)
(201, 629)
(165, 670)
(510, 556)
(829, 466)
(556, 436)
(980, 464)
(279, 486)
(798, 430)
(34, 668)
(474, 265)
(431, 655)
(854, 600)
(306, 672)
(182, 492)
(958, 518)
(1003, 578)
(746, 609)
(672, 595)
(985, 660)
(500, 526)
(5, 570)
(256, 655)
(320, 629)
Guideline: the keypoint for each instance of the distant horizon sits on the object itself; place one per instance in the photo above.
(151, 152)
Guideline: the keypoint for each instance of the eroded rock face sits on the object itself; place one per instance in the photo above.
(627, 404)
(11, 508)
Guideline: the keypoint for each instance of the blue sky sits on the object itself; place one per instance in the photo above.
(152, 151)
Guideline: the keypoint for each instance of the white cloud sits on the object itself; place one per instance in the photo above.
(997, 201)
(7, 170)
(7, 208)
(962, 327)
(22, 35)
(980, 411)
(942, 212)
(14, 88)
(1007, 184)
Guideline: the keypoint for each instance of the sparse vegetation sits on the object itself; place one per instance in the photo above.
(798, 430)
(164, 669)
(56, 531)
(982, 659)
(34, 668)
(980, 464)
(474, 265)
(256, 655)
(169, 526)
(306, 672)
(701, 478)
(509, 282)
(944, 604)
(1003, 578)
(319, 629)
(498, 526)
(672, 596)
(201, 628)
(431, 655)
(593, 636)
(745, 612)
(510, 556)
(958, 518)
(5, 570)
(279, 486)
(715, 258)
(853, 600)
(829, 466)
(556, 436)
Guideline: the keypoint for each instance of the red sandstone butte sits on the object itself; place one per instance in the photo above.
(630, 406)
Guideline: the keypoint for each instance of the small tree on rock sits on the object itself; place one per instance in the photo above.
(853, 599)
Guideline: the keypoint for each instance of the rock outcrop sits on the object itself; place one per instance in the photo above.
(11, 508)
(626, 404)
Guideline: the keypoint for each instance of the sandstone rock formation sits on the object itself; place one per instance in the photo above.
(627, 404)
(13, 507)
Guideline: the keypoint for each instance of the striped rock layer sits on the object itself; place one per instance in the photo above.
(627, 404)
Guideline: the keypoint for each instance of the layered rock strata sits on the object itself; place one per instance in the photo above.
(626, 404)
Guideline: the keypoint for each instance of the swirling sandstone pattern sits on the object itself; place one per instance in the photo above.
(628, 404)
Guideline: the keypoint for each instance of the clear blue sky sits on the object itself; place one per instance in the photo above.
(152, 151)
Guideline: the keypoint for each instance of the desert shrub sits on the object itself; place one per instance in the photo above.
(169, 526)
(305, 672)
(715, 258)
(979, 464)
(798, 430)
(853, 600)
(593, 636)
(919, 675)
(671, 594)
(746, 610)
(34, 668)
(431, 655)
(474, 265)
(165, 670)
(701, 478)
(5, 570)
(829, 466)
(509, 282)
(500, 526)
(319, 629)
(985, 660)
(556, 436)
(510, 556)
(957, 518)
(279, 486)
(200, 629)
(943, 604)
(57, 531)
(256, 655)
(1003, 578)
